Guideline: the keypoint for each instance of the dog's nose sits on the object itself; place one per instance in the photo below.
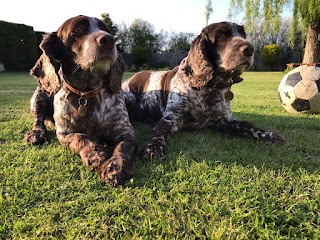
(106, 39)
(248, 50)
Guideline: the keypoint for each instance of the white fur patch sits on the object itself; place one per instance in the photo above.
(156, 80)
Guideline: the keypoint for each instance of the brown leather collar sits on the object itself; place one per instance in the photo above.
(89, 94)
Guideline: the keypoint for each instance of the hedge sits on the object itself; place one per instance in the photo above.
(18, 46)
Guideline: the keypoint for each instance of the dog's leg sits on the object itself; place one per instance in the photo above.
(118, 169)
(91, 153)
(41, 109)
(115, 170)
(154, 148)
(247, 130)
(172, 120)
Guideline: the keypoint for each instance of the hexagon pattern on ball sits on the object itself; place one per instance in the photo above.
(299, 90)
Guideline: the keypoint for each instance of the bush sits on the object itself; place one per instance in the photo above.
(18, 49)
(270, 56)
(139, 55)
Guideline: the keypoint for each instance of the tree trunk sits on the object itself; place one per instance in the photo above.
(312, 49)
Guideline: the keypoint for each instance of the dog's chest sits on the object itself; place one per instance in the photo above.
(208, 105)
(99, 112)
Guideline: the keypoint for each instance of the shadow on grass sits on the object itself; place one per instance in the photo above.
(300, 152)
(207, 146)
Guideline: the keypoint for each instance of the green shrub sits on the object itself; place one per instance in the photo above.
(139, 55)
(18, 47)
(270, 56)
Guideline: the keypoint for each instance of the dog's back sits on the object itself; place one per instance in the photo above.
(146, 94)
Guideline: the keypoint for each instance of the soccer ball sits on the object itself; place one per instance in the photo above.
(299, 90)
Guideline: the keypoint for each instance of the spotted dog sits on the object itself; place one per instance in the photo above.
(197, 93)
(79, 90)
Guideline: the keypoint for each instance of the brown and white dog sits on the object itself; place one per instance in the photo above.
(79, 76)
(196, 94)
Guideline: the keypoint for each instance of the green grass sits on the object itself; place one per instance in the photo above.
(210, 186)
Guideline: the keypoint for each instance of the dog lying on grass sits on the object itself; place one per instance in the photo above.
(79, 76)
(197, 93)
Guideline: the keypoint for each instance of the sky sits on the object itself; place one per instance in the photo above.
(168, 15)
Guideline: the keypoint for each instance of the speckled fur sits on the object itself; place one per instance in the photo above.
(194, 92)
(83, 53)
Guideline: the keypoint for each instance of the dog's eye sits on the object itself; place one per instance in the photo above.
(243, 34)
(223, 35)
(77, 30)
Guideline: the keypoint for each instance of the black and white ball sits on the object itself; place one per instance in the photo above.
(299, 90)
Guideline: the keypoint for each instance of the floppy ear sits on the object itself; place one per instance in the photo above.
(197, 65)
(113, 81)
(45, 71)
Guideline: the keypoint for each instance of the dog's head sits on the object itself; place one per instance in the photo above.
(85, 51)
(220, 49)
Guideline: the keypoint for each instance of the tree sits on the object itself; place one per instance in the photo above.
(305, 11)
(260, 38)
(109, 23)
(163, 38)
(208, 11)
(143, 40)
(123, 38)
(180, 42)
(139, 56)
(142, 33)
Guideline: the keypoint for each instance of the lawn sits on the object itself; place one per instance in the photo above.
(210, 186)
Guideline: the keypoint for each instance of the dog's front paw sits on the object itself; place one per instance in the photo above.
(94, 159)
(273, 138)
(115, 171)
(236, 79)
(36, 137)
(152, 150)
